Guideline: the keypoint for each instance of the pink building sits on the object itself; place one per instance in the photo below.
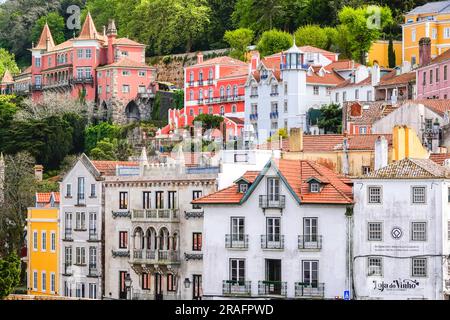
(433, 79)
(96, 67)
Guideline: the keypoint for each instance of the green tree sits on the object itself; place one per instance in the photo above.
(209, 121)
(366, 25)
(56, 24)
(178, 99)
(7, 111)
(312, 35)
(281, 133)
(343, 42)
(330, 118)
(274, 41)
(96, 133)
(239, 40)
(9, 274)
(104, 150)
(7, 62)
(391, 54)
(220, 22)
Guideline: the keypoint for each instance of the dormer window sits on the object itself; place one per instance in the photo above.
(243, 187)
(314, 187)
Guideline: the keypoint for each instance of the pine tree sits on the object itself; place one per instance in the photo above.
(391, 54)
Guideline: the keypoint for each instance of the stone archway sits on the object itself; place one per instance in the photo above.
(132, 112)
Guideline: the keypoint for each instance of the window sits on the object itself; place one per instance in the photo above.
(375, 195)
(375, 231)
(446, 33)
(171, 282)
(80, 53)
(369, 95)
(142, 73)
(80, 256)
(273, 189)
(235, 91)
(92, 223)
(285, 88)
(210, 74)
(93, 191)
(365, 170)
(35, 240)
(437, 75)
(35, 280)
(125, 73)
(434, 33)
(375, 266)
(428, 124)
(274, 89)
(285, 106)
(99, 89)
(222, 110)
(79, 293)
(310, 229)
(123, 239)
(159, 199)
(88, 53)
(424, 80)
(418, 195)
(99, 74)
(68, 255)
(413, 35)
(52, 282)
(171, 199)
(337, 96)
(107, 88)
(419, 231)
(243, 187)
(146, 281)
(125, 88)
(124, 53)
(237, 270)
(68, 222)
(92, 291)
(38, 62)
(357, 94)
(431, 76)
(316, 90)
(445, 73)
(362, 130)
(222, 93)
(233, 108)
(254, 91)
(49, 61)
(195, 195)
(146, 199)
(237, 228)
(314, 187)
(80, 221)
(93, 257)
(80, 188)
(123, 200)
(197, 241)
(44, 281)
(344, 96)
(53, 241)
(448, 230)
(311, 273)
(273, 229)
(419, 267)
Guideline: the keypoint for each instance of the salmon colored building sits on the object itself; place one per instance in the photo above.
(42, 244)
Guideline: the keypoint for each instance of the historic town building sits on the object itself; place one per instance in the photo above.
(433, 78)
(96, 67)
(154, 235)
(278, 233)
(400, 235)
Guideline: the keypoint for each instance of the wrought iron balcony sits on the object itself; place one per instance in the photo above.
(193, 256)
(308, 290)
(274, 241)
(57, 84)
(120, 253)
(194, 214)
(156, 256)
(68, 235)
(156, 215)
(236, 288)
(121, 214)
(93, 271)
(274, 94)
(200, 82)
(191, 83)
(36, 87)
(253, 95)
(236, 241)
(200, 101)
(272, 201)
(272, 288)
(146, 94)
(274, 115)
(253, 116)
(83, 80)
(310, 242)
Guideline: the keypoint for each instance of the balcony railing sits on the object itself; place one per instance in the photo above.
(146, 94)
(307, 290)
(210, 81)
(81, 199)
(156, 256)
(275, 241)
(254, 95)
(253, 116)
(68, 236)
(236, 241)
(274, 115)
(272, 202)
(447, 284)
(155, 215)
(272, 288)
(58, 84)
(93, 235)
(274, 94)
(200, 82)
(310, 242)
(36, 87)
(200, 101)
(88, 79)
(93, 271)
(153, 296)
(191, 83)
(236, 288)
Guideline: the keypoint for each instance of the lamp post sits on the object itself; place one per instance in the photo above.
(128, 283)
(187, 283)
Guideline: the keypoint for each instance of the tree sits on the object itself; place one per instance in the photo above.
(239, 40)
(209, 121)
(7, 111)
(56, 25)
(274, 41)
(343, 42)
(312, 35)
(115, 149)
(366, 25)
(96, 133)
(220, 22)
(330, 118)
(391, 54)
(7, 62)
(9, 274)
(178, 99)
(281, 133)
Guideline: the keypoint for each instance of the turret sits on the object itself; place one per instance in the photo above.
(111, 33)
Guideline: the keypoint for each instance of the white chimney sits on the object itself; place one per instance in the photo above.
(381, 152)
(376, 75)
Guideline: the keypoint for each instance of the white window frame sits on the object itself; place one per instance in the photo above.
(35, 240)
(314, 187)
(370, 195)
(43, 281)
(237, 266)
(52, 283)
(35, 280)
(372, 233)
(92, 290)
(447, 33)
(418, 233)
(125, 88)
(53, 241)
(142, 73)
(243, 187)
(417, 198)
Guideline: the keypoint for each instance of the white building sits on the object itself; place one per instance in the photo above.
(153, 232)
(280, 232)
(400, 235)
(281, 88)
(81, 268)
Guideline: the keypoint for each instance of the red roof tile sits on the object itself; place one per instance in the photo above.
(224, 60)
(108, 168)
(393, 79)
(45, 35)
(342, 65)
(439, 158)
(127, 42)
(127, 63)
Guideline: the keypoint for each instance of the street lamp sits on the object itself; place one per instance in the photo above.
(128, 283)
(187, 283)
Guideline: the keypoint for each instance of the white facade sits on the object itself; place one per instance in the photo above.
(80, 232)
(264, 253)
(154, 234)
(404, 255)
(360, 87)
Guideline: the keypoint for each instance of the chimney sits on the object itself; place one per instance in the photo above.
(199, 57)
(381, 153)
(254, 60)
(111, 33)
(345, 160)
(376, 75)
(38, 172)
(424, 51)
(296, 140)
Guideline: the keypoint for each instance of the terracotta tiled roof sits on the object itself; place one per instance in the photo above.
(342, 65)
(370, 112)
(393, 79)
(127, 42)
(46, 34)
(127, 63)
(442, 57)
(296, 173)
(88, 30)
(65, 45)
(108, 168)
(225, 60)
(235, 73)
(410, 169)
(439, 158)
(7, 77)
(438, 106)
(329, 78)
(26, 71)
(236, 120)
(44, 197)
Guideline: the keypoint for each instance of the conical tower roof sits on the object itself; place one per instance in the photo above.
(88, 31)
(7, 77)
(45, 35)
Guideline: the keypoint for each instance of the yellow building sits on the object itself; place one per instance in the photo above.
(42, 244)
(379, 52)
(431, 20)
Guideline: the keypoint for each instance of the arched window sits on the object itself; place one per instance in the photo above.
(235, 91)
(191, 95)
(210, 110)
(210, 93)
(228, 91)
(191, 76)
(222, 110)
(210, 75)
(233, 108)
(222, 92)
(200, 95)
(200, 76)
